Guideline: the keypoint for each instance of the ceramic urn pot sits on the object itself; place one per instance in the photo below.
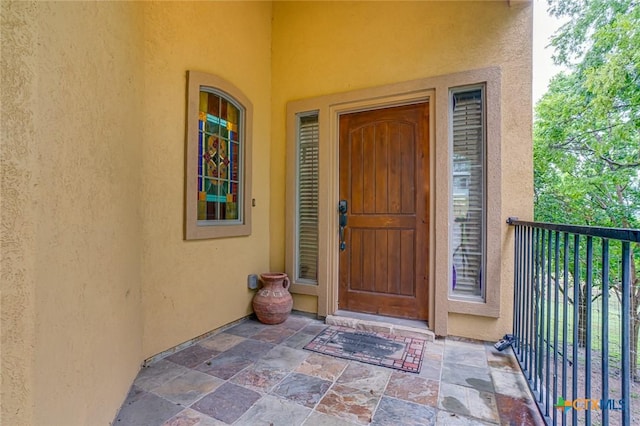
(273, 302)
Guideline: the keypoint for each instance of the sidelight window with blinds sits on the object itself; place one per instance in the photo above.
(468, 195)
(307, 198)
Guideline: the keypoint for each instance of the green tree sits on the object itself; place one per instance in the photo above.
(587, 128)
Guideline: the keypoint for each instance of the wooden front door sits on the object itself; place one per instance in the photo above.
(384, 179)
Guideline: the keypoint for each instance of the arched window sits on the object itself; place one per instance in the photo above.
(218, 183)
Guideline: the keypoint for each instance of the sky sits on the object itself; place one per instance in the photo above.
(543, 68)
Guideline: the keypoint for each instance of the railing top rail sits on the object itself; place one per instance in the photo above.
(622, 234)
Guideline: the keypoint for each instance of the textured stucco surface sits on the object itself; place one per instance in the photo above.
(71, 224)
(96, 275)
(323, 48)
(191, 287)
(17, 217)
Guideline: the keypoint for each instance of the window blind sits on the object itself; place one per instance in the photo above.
(468, 195)
(307, 199)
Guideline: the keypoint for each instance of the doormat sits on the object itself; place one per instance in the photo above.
(399, 352)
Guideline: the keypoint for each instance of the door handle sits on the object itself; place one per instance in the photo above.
(342, 209)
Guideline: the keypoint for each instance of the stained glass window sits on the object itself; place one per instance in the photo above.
(219, 160)
(218, 173)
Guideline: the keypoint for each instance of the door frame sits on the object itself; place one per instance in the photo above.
(323, 296)
(329, 108)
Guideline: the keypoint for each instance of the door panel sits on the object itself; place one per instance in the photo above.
(384, 178)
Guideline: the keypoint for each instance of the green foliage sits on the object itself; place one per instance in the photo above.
(587, 126)
(587, 134)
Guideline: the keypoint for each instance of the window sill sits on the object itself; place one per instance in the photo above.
(477, 308)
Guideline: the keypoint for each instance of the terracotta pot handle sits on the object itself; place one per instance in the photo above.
(286, 283)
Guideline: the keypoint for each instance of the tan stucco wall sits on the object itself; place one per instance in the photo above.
(191, 287)
(17, 218)
(95, 273)
(71, 224)
(321, 48)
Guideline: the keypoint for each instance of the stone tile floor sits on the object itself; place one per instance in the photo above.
(256, 374)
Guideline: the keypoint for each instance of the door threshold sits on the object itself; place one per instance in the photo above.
(379, 323)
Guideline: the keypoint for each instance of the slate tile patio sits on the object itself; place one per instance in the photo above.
(256, 374)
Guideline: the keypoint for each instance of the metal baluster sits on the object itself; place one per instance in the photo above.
(528, 304)
(517, 291)
(556, 317)
(536, 309)
(587, 348)
(576, 297)
(626, 331)
(520, 343)
(605, 330)
(565, 322)
(541, 323)
(548, 342)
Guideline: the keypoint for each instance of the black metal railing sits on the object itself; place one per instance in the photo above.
(575, 323)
